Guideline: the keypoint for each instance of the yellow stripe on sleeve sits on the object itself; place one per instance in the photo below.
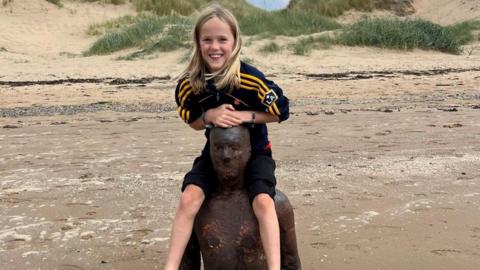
(261, 86)
(184, 90)
(182, 102)
(183, 83)
(270, 110)
(180, 110)
(275, 108)
(256, 86)
(183, 114)
(259, 95)
(257, 80)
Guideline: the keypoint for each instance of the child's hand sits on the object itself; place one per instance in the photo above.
(223, 116)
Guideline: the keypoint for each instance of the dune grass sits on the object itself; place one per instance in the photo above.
(115, 25)
(58, 3)
(305, 45)
(242, 9)
(151, 32)
(114, 2)
(270, 47)
(400, 34)
(175, 37)
(188, 7)
(252, 21)
(287, 23)
(145, 31)
(165, 7)
(463, 31)
(332, 8)
(117, 2)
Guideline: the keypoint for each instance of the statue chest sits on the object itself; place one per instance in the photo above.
(228, 233)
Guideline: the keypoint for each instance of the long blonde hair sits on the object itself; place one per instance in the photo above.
(228, 77)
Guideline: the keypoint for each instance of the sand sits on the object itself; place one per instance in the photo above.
(380, 156)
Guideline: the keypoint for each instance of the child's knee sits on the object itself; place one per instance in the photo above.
(263, 203)
(191, 199)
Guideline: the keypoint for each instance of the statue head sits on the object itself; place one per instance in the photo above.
(230, 151)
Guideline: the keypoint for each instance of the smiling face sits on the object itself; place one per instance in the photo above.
(216, 42)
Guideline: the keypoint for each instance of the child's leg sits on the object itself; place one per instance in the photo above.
(264, 209)
(190, 202)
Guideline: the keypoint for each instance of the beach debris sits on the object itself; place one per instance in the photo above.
(11, 126)
(454, 125)
(58, 123)
(447, 109)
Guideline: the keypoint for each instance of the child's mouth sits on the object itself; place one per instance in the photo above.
(215, 56)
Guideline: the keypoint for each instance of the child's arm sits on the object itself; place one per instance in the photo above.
(222, 116)
(225, 116)
(257, 117)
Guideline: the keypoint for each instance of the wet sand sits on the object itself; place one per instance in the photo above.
(378, 181)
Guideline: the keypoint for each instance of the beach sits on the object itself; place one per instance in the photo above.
(380, 157)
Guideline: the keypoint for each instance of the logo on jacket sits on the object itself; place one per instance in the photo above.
(269, 98)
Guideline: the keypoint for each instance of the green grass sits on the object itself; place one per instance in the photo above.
(142, 32)
(400, 34)
(270, 47)
(241, 9)
(118, 2)
(332, 8)
(177, 36)
(188, 7)
(305, 45)
(58, 3)
(286, 22)
(115, 24)
(463, 31)
(114, 2)
(152, 33)
(165, 7)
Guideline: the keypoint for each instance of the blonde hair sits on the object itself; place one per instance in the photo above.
(228, 77)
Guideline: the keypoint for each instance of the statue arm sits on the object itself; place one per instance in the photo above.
(288, 239)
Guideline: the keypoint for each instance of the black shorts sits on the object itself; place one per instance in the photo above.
(259, 175)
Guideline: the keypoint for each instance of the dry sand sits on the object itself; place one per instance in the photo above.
(380, 156)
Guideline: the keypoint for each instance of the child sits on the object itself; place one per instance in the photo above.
(218, 89)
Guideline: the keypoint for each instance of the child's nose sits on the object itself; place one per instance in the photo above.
(215, 44)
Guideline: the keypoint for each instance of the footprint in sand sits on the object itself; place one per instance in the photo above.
(137, 234)
(323, 245)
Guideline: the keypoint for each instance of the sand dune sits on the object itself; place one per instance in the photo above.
(446, 11)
